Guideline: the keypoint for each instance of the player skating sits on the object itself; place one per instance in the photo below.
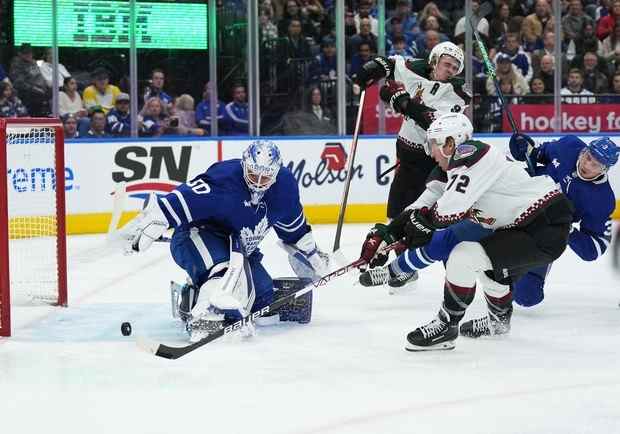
(530, 215)
(419, 90)
(219, 218)
(580, 170)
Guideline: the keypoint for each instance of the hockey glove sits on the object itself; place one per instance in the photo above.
(305, 258)
(395, 95)
(145, 228)
(522, 147)
(372, 71)
(419, 229)
(378, 237)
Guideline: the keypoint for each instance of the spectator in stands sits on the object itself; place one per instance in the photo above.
(608, 23)
(203, 111)
(318, 109)
(574, 22)
(407, 20)
(611, 44)
(534, 25)
(324, 65)
(364, 35)
(498, 28)
(46, 68)
(183, 116)
(153, 119)
(430, 23)
(588, 41)
(363, 13)
(97, 124)
(400, 48)
(547, 71)
(70, 126)
(363, 55)
(10, 105)
(593, 79)
(432, 39)
(296, 46)
(507, 71)
(3, 76)
(293, 13)
(548, 48)
(538, 93)
(267, 29)
(29, 82)
(294, 58)
(101, 93)
(481, 23)
(235, 122)
(349, 24)
(574, 91)
(493, 108)
(70, 101)
(118, 120)
(396, 31)
(156, 87)
(519, 58)
(431, 9)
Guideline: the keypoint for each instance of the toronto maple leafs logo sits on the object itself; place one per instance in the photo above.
(252, 238)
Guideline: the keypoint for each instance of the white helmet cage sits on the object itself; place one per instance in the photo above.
(455, 125)
(449, 49)
(261, 163)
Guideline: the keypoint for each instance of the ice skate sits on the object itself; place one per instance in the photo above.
(439, 334)
(488, 325)
(383, 275)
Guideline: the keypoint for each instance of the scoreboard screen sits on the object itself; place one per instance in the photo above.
(105, 24)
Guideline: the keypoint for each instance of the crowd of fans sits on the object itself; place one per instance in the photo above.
(298, 66)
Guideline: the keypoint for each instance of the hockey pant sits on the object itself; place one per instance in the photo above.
(204, 254)
(410, 178)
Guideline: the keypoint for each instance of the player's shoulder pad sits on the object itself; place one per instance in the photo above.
(461, 89)
(419, 66)
(468, 153)
(286, 184)
(437, 174)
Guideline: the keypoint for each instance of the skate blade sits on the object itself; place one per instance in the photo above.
(444, 346)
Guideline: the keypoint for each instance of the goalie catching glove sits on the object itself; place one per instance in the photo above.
(305, 258)
(148, 226)
(396, 96)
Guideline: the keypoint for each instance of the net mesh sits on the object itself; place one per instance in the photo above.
(33, 228)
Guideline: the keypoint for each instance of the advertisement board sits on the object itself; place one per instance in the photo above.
(576, 118)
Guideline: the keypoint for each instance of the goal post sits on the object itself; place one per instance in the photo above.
(33, 259)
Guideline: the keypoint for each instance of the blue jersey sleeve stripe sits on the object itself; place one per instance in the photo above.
(293, 229)
(171, 211)
(203, 251)
(179, 195)
(288, 225)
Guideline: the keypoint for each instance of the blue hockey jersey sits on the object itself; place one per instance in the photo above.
(219, 199)
(594, 201)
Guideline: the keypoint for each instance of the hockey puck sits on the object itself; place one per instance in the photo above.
(126, 329)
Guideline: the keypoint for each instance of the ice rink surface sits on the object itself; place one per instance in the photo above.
(70, 370)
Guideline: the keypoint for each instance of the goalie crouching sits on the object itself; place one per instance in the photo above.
(219, 218)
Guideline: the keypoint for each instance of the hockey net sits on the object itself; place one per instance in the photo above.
(32, 215)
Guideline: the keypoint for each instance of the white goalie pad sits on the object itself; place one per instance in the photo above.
(233, 291)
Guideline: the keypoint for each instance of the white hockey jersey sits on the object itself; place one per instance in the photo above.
(444, 97)
(483, 185)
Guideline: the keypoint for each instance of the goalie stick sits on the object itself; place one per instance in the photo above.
(167, 352)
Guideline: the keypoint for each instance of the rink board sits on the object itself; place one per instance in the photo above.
(319, 164)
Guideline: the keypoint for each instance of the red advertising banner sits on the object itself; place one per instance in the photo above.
(584, 118)
(370, 115)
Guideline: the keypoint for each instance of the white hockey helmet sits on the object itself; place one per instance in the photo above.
(449, 49)
(455, 125)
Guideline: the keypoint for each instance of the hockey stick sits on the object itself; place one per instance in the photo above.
(502, 101)
(167, 352)
(394, 167)
(347, 184)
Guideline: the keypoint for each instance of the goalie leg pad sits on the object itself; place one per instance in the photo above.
(300, 310)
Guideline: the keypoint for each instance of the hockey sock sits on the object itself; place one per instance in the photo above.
(410, 261)
(456, 299)
(499, 306)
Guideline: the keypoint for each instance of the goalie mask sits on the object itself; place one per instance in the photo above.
(261, 163)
